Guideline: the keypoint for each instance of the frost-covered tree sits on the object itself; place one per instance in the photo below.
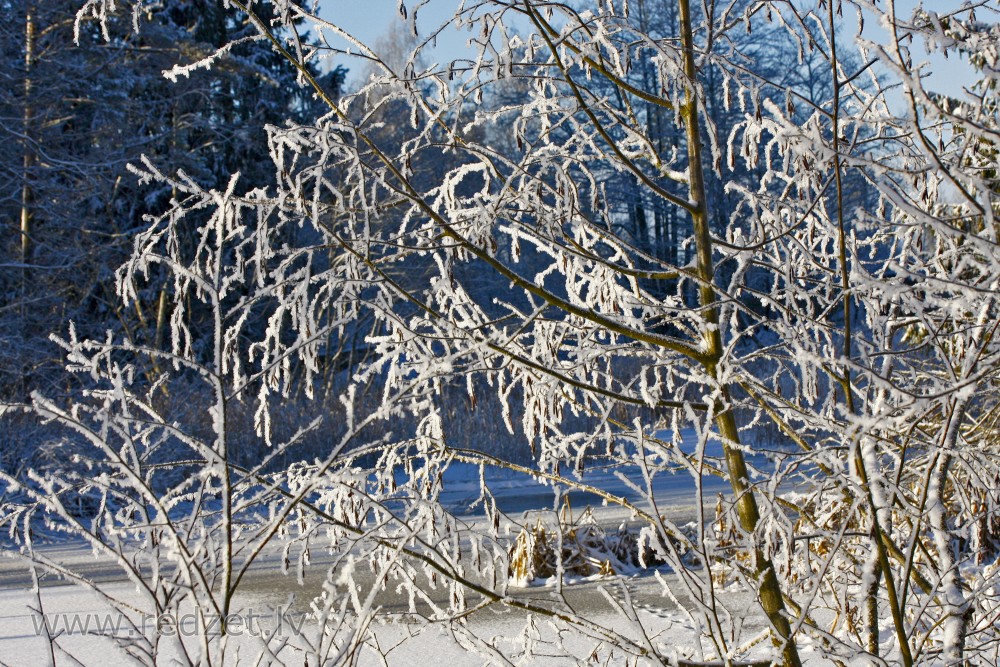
(832, 358)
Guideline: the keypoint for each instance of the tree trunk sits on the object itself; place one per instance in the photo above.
(769, 589)
(28, 158)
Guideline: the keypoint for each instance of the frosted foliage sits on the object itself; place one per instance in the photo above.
(817, 327)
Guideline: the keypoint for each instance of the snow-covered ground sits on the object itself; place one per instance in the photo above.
(79, 616)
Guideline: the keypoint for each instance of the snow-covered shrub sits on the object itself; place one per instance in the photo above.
(578, 547)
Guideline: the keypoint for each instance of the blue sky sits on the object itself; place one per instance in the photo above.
(370, 19)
